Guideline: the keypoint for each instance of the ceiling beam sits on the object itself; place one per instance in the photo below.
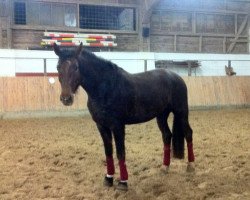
(241, 29)
(149, 5)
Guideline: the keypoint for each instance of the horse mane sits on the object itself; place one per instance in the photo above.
(87, 56)
(100, 63)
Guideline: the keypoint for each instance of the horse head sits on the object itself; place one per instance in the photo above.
(68, 73)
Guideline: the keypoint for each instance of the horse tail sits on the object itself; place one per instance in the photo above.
(178, 137)
(180, 122)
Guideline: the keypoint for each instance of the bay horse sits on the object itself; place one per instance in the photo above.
(117, 98)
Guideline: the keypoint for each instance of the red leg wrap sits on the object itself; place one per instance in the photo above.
(190, 152)
(166, 156)
(123, 170)
(110, 165)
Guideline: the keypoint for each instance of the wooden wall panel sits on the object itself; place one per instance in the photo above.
(195, 91)
(34, 94)
(1, 94)
(208, 91)
(14, 94)
(162, 43)
(23, 39)
(187, 44)
(213, 20)
(52, 95)
(127, 42)
(81, 99)
(218, 91)
(244, 88)
(232, 94)
(37, 94)
(222, 94)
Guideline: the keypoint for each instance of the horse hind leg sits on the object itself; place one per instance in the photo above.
(189, 140)
(166, 137)
(181, 130)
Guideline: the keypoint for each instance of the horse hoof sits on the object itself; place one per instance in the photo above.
(190, 167)
(122, 186)
(164, 169)
(108, 181)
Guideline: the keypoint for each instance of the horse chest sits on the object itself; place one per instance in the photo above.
(101, 113)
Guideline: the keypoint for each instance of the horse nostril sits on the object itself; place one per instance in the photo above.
(61, 98)
(65, 98)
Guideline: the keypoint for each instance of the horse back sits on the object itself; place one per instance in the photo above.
(159, 88)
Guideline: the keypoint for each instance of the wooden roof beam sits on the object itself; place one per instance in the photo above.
(149, 5)
(241, 29)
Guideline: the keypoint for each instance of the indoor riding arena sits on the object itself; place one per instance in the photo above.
(55, 152)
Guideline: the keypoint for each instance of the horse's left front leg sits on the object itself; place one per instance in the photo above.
(119, 136)
(107, 141)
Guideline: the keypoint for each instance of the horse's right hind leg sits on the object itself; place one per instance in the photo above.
(189, 140)
(166, 137)
(182, 127)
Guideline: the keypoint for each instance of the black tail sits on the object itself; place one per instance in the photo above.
(178, 137)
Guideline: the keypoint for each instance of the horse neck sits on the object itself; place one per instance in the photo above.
(97, 74)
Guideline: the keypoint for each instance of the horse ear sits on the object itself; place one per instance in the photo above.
(56, 49)
(79, 49)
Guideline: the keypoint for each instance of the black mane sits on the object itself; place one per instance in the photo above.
(100, 63)
(89, 57)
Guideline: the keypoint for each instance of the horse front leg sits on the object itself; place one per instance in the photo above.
(107, 141)
(119, 136)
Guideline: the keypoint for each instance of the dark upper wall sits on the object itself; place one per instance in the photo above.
(30, 33)
(5, 24)
(214, 26)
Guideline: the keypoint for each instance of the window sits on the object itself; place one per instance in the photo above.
(66, 14)
(171, 21)
(45, 14)
(107, 17)
(3, 9)
(33, 13)
(19, 13)
(70, 16)
(215, 23)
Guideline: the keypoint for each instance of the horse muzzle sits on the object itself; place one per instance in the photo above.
(67, 100)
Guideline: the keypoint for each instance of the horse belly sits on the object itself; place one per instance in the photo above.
(136, 120)
(144, 112)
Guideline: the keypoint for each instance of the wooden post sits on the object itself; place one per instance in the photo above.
(189, 68)
(224, 45)
(44, 67)
(200, 43)
(235, 24)
(175, 43)
(145, 65)
(193, 22)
